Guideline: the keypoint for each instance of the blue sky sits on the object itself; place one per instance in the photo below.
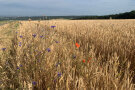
(64, 7)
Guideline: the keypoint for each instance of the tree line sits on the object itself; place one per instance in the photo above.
(126, 15)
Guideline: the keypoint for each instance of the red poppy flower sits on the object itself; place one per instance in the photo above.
(77, 45)
(83, 60)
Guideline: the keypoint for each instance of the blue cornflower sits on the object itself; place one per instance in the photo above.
(59, 74)
(57, 64)
(53, 26)
(56, 41)
(21, 36)
(20, 43)
(34, 35)
(41, 36)
(18, 68)
(34, 83)
(48, 49)
(3, 49)
(74, 56)
(20, 65)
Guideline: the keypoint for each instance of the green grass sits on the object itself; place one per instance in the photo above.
(4, 22)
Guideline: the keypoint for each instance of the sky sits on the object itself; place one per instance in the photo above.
(64, 7)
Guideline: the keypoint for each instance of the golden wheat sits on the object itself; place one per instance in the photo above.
(108, 45)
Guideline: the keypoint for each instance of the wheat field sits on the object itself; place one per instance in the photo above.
(69, 55)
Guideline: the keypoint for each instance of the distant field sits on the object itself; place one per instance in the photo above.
(3, 22)
(68, 55)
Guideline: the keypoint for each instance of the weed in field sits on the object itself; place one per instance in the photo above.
(48, 49)
(3, 49)
(21, 36)
(34, 35)
(53, 26)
